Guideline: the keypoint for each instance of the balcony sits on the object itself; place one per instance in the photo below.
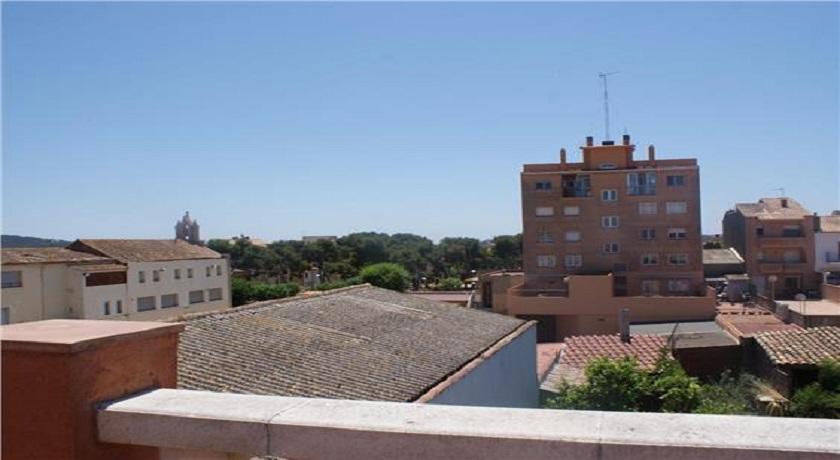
(781, 266)
(831, 258)
(647, 189)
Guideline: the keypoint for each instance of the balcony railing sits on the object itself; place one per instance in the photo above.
(198, 424)
(832, 258)
(649, 189)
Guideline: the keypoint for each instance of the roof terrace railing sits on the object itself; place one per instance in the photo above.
(196, 424)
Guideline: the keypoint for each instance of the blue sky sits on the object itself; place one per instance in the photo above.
(278, 120)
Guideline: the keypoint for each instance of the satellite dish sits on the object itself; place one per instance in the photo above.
(800, 297)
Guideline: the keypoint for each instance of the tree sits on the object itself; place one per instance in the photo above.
(449, 284)
(386, 275)
(820, 399)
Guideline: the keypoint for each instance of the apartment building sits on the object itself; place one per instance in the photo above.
(827, 248)
(113, 279)
(775, 236)
(606, 233)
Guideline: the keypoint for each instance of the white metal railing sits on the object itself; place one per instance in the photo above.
(340, 429)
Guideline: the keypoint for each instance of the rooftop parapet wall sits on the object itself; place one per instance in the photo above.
(54, 372)
(202, 423)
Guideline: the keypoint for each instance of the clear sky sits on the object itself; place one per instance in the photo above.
(277, 120)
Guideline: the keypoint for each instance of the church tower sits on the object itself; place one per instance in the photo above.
(188, 230)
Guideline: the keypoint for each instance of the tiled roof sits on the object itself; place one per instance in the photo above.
(807, 346)
(48, 256)
(145, 250)
(353, 343)
(722, 256)
(830, 224)
(580, 350)
(772, 208)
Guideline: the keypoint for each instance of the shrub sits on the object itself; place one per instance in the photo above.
(449, 284)
(245, 291)
(339, 284)
(814, 401)
(386, 275)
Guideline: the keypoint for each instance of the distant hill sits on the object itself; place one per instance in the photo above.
(17, 241)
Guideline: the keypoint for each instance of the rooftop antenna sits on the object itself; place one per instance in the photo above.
(603, 76)
(781, 191)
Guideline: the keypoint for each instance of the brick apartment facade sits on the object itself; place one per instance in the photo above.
(776, 238)
(636, 219)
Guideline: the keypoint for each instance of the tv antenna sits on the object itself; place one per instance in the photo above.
(603, 76)
(781, 191)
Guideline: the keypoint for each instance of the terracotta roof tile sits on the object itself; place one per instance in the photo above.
(352, 343)
(807, 346)
(771, 208)
(145, 250)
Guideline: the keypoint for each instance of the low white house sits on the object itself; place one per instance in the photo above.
(113, 279)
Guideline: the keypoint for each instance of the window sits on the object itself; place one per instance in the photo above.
(141, 276)
(650, 287)
(675, 181)
(168, 300)
(5, 315)
(759, 231)
(607, 166)
(106, 308)
(214, 294)
(545, 237)
(145, 303)
(641, 183)
(678, 285)
(647, 208)
(12, 279)
(571, 210)
(208, 270)
(791, 231)
(676, 234)
(650, 259)
(155, 275)
(119, 307)
(546, 261)
(677, 259)
(189, 273)
(611, 248)
(676, 207)
(648, 234)
(572, 235)
(575, 185)
(219, 270)
(545, 211)
(609, 221)
(196, 297)
(573, 260)
(177, 273)
(543, 185)
(609, 195)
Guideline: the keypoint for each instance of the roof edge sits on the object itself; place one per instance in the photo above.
(254, 305)
(441, 386)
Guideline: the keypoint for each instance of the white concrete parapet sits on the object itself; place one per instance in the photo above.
(298, 428)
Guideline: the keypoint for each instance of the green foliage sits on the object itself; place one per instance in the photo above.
(814, 401)
(450, 283)
(820, 399)
(386, 275)
(245, 291)
(339, 284)
(344, 258)
(622, 385)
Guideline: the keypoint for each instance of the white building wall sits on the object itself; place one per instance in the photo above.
(41, 296)
(507, 379)
(182, 287)
(826, 242)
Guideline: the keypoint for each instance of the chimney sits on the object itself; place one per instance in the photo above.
(624, 324)
(651, 153)
(784, 202)
(817, 222)
(590, 141)
(562, 156)
(625, 139)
